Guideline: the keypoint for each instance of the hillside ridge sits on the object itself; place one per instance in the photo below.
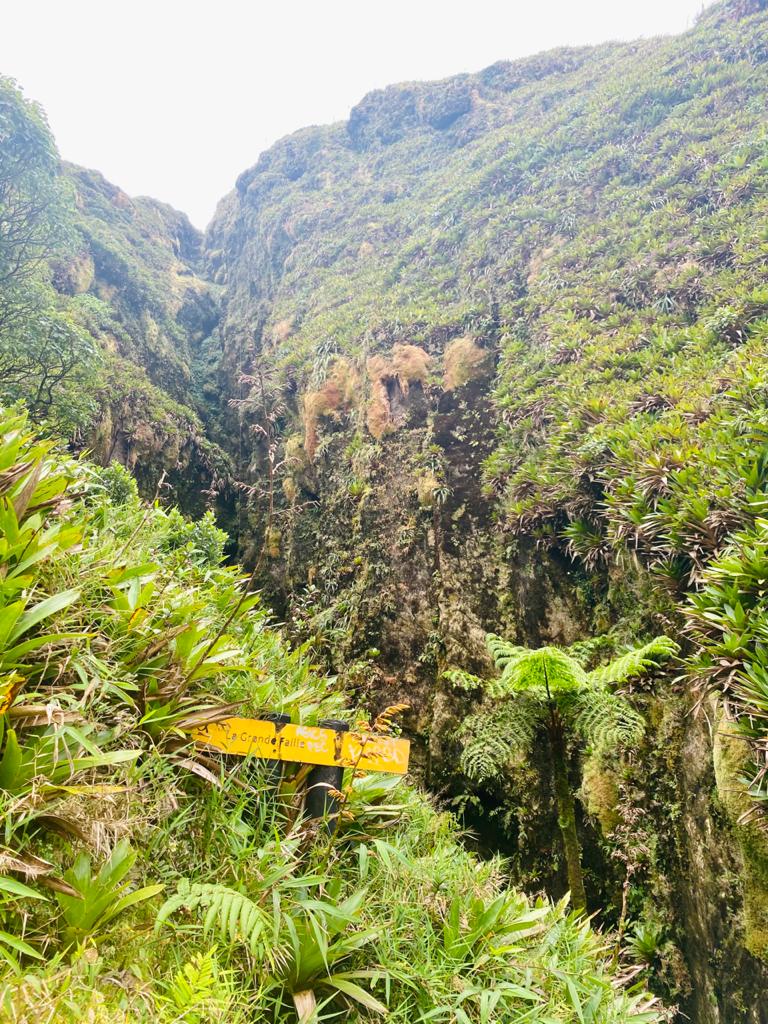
(482, 365)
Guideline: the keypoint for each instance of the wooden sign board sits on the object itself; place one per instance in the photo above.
(307, 744)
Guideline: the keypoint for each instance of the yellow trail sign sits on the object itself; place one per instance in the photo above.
(306, 743)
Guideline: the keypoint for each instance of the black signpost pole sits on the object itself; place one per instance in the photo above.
(272, 768)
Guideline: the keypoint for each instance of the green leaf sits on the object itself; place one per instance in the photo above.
(356, 992)
(43, 610)
(11, 762)
(10, 885)
(20, 946)
(131, 899)
(573, 995)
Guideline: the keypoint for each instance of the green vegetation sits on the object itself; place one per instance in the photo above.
(101, 313)
(491, 354)
(548, 690)
(31, 202)
(576, 245)
(118, 629)
(44, 354)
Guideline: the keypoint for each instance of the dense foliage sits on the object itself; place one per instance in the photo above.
(514, 324)
(118, 628)
(592, 222)
(489, 355)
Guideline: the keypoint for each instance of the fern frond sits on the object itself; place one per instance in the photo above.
(548, 668)
(635, 662)
(501, 650)
(607, 720)
(198, 986)
(495, 732)
(585, 651)
(484, 757)
(234, 917)
(464, 680)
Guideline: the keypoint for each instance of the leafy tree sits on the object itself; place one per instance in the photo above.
(50, 366)
(32, 220)
(45, 356)
(548, 690)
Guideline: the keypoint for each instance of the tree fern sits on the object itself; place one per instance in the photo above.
(549, 687)
(484, 757)
(635, 662)
(545, 670)
(231, 915)
(464, 680)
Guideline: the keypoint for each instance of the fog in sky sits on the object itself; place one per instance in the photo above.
(174, 99)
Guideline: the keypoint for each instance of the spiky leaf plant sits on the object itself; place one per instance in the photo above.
(548, 691)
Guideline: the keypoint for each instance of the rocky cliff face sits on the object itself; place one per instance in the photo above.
(133, 280)
(456, 332)
(143, 259)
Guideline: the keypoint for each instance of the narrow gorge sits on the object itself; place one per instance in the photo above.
(489, 357)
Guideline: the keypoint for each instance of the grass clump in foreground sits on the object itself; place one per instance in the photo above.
(141, 880)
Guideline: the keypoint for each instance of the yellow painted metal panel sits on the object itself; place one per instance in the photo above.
(307, 744)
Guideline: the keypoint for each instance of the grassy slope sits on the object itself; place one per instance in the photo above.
(141, 259)
(556, 161)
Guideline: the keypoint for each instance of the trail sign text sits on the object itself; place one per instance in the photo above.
(307, 744)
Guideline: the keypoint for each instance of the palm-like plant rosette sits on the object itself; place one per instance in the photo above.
(534, 684)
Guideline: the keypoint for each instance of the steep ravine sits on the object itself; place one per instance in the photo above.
(384, 280)
(436, 345)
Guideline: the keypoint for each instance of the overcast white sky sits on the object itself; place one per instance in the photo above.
(174, 98)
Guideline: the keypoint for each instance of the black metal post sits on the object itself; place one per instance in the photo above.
(321, 781)
(271, 769)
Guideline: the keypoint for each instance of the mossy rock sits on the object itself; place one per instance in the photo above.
(600, 793)
(732, 766)
(464, 361)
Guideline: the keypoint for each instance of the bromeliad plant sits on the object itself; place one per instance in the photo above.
(728, 621)
(99, 896)
(32, 488)
(548, 691)
(42, 745)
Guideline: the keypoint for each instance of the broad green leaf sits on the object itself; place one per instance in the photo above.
(356, 992)
(46, 608)
(19, 945)
(10, 885)
(131, 899)
(11, 762)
